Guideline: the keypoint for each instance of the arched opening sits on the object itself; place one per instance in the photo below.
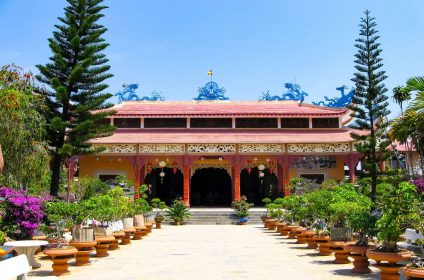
(166, 188)
(210, 187)
(256, 188)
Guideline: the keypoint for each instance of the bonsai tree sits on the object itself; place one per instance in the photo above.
(141, 206)
(241, 207)
(159, 206)
(178, 211)
(363, 223)
(399, 209)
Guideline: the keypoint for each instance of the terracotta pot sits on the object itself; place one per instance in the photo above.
(118, 238)
(324, 245)
(143, 230)
(272, 225)
(292, 229)
(149, 227)
(102, 246)
(159, 220)
(304, 236)
(126, 240)
(341, 255)
(415, 273)
(60, 258)
(360, 263)
(84, 249)
(389, 270)
(280, 227)
(267, 221)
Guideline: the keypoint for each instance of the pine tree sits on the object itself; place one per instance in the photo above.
(369, 105)
(75, 79)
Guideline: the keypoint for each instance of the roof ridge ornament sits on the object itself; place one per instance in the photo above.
(128, 94)
(338, 102)
(211, 91)
(293, 92)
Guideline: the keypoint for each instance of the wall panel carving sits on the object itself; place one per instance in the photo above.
(118, 148)
(318, 148)
(161, 148)
(211, 148)
(261, 148)
(213, 164)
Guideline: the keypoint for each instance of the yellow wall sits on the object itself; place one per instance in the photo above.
(334, 173)
(93, 165)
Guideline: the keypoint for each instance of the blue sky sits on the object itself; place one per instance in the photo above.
(252, 45)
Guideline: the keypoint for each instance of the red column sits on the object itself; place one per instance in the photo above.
(236, 193)
(280, 175)
(286, 177)
(352, 166)
(137, 176)
(382, 166)
(186, 174)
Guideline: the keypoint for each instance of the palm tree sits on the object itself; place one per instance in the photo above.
(411, 123)
(400, 95)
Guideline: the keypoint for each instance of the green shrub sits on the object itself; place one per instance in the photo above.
(178, 211)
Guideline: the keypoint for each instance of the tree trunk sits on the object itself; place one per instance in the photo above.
(55, 180)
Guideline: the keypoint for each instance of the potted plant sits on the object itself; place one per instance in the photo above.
(266, 201)
(399, 207)
(241, 208)
(178, 211)
(158, 205)
(141, 210)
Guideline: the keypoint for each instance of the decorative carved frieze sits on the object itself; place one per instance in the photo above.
(213, 164)
(261, 148)
(211, 148)
(161, 148)
(118, 148)
(318, 148)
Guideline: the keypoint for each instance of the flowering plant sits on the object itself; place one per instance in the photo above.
(23, 213)
(419, 183)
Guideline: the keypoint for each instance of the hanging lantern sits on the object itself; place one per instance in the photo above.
(174, 170)
(162, 164)
(271, 170)
(148, 170)
(249, 161)
(249, 170)
(261, 174)
(261, 167)
(162, 174)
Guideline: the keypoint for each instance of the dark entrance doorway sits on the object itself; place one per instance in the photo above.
(256, 188)
(210, 187)
(166, 188)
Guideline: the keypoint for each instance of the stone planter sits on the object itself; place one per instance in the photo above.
(102, 246)
(272, 225)
(285, 230)
(324, 245)
(298, 233)
(360, 263)
(102, 231)
(140, 232)
(340, 253)
(413, 272)
(84, 249)
(280, 227)
(128, 223)
(292, 230)
(341, 234)
(390, 269)
(267, 221)
(304, 236)
(82, 234)
(60, 258)
(139, 220)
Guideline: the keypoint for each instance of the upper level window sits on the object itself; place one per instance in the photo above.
(325, 123)
(127, 122)
(165, 123)
(256, 123)
(211, 123)
(295, 123)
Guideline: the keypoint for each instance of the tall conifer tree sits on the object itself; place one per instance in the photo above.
(369, 105)
(75, 79)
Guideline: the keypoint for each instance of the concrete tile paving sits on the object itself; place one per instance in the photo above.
(210, 252)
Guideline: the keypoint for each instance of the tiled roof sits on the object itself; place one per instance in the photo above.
(226, 136)
(224, 108)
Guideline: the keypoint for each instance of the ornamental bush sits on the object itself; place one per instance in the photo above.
(23, 213)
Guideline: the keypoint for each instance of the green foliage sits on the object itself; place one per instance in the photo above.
(369, 104)
(362, 222)
(178, 211)
(141, 206)
(241, 207)
(2, 237)
(87, 187)
(158, 205)
(295, 182)
(74, 81)
(267, 201)
(400, 210)
(22, 130)
(329, 184)
(69, 214)
(401, 95)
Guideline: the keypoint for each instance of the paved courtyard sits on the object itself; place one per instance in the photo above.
(210, 252)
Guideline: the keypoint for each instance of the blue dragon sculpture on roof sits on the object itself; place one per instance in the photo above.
(293, 92)
(128, 94)
(338, 102)
(211, 91)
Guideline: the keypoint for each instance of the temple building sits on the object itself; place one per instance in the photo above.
(211, 150)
